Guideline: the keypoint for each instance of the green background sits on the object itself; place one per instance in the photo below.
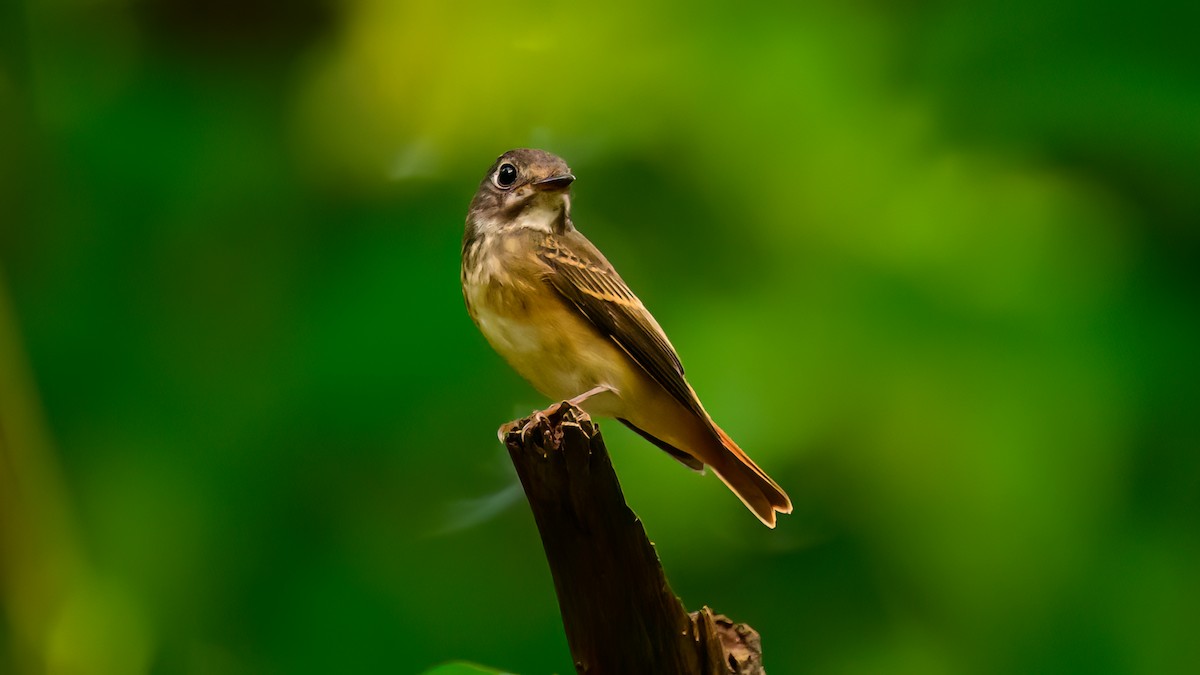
(934, 265)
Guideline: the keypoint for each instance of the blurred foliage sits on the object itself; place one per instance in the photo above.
(933, 264)
(458, 668)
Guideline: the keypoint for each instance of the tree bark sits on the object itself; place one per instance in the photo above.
(620, 615)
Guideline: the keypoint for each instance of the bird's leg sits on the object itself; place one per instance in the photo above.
(576, 401)
(598, 389)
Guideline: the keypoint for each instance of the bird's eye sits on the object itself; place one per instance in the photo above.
(506, 176)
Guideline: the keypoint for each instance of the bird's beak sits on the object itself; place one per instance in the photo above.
(554, 183)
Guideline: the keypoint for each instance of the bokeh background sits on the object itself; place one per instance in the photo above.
(933, 264)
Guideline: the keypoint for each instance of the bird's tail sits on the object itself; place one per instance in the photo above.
(751, 484)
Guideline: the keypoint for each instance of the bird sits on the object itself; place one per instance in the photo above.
(549, 302)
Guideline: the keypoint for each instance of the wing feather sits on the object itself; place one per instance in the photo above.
(581, 275)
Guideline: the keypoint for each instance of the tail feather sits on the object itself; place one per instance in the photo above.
(751, 484)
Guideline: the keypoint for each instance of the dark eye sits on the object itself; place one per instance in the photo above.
(506, 176)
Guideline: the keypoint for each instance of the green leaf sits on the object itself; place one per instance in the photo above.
(462, 668)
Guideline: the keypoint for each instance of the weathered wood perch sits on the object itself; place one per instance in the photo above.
(620, 615)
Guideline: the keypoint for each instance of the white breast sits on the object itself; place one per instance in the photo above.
(509, 336)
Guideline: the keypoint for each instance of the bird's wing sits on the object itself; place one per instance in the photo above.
(579, 272)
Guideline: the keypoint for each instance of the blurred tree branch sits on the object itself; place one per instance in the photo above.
(62, 617)
(617, 607)
(39, 556)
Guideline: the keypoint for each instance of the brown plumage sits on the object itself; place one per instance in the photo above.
(550, 303)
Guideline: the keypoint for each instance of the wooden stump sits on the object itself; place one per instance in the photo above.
(620, 615)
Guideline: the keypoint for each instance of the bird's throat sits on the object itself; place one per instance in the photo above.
(543, 216)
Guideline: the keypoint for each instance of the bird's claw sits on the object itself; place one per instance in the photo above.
(533, 422)
(524, 426)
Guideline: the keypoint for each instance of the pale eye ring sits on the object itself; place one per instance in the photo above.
(506, 175)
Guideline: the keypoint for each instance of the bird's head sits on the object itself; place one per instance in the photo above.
(524, 189)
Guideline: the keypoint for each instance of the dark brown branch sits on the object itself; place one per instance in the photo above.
(620, 615)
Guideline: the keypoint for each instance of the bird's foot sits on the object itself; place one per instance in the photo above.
(524, 426)
(549, 416)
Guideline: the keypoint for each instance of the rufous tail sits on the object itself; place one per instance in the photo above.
(751, 484)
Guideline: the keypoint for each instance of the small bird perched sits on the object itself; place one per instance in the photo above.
(550, 303)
